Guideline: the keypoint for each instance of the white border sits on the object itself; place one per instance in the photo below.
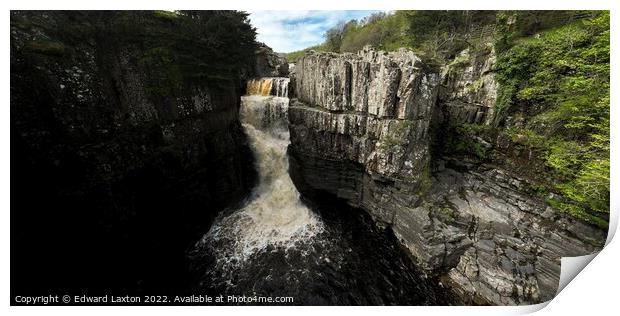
(593, 291)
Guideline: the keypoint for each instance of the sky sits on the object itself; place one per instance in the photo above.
(287, 31)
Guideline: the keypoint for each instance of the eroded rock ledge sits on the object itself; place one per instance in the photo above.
(371, 111)
(498, 243)
(361, 129)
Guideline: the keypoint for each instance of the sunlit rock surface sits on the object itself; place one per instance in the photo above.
(370, 111)
(362, 128)
(274, 244)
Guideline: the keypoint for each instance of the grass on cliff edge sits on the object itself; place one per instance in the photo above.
(553, 95)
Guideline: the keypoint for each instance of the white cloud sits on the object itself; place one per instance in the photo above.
(287, 31)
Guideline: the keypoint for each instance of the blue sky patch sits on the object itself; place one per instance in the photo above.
(287, 31)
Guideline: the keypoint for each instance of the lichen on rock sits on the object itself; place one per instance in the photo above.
(365, 127)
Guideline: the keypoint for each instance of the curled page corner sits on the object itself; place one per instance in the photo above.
(571, 266)
(613, 225)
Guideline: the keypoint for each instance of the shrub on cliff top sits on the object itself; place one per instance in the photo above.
(558, 81)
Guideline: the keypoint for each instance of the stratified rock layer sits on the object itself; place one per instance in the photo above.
(469, 90)
(371, 112)
(500, 244)
(361, 130)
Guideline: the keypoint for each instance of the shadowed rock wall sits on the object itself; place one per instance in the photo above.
(120, 158)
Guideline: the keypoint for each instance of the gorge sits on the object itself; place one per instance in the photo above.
(155, 163)
(365, 135)
(276, 246)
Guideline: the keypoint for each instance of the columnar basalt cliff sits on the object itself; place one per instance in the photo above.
(359, 127)
(363, 128)
(120, 157)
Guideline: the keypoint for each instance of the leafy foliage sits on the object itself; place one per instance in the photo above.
(209, 46)
(293, 56)
(558, 81)
(440, 35)
(181, 46)
(553, 94)
(381, 30)
(434, 35)
(469, 142)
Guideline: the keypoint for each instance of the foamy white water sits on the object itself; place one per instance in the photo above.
(274, 215)
(275, 246)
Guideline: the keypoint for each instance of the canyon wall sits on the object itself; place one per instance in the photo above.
(123, 125)
(269, 63)
(359, 128)
(368, 128)
(120, 157)
(469, 90)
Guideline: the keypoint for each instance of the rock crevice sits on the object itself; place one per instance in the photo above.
(362, 126)
(369, 109)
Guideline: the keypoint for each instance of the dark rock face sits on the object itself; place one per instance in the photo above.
(361, 130)
(114, 174)
(270, 64)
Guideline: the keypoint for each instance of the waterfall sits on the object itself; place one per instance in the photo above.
(274, 215)
(276, 86)
(275, 246)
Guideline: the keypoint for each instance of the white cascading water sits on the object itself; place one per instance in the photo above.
(275, 246)
(274, 215)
